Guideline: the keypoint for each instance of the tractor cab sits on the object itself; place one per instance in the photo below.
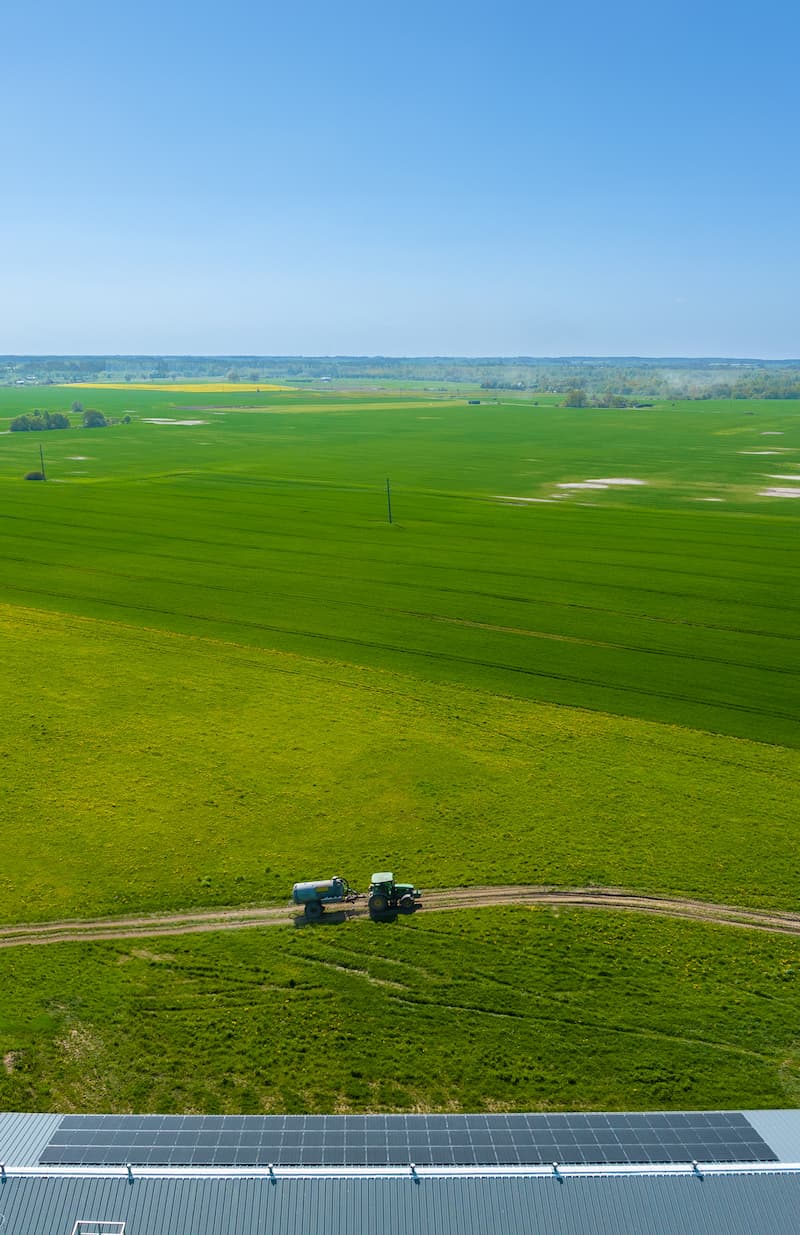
(388, 896)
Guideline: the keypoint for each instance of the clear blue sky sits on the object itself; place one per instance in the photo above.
(432, 178)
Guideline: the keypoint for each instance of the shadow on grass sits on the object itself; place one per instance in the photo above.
(336, 917)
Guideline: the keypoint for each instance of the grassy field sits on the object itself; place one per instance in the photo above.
(520, 1009)
(152, 771)
(268, 528)
(225, 670)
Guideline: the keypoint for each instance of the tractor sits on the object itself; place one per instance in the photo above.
(387, 897)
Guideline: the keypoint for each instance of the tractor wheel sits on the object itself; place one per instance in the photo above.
(314, 910)
(407, 903)
(378, 905)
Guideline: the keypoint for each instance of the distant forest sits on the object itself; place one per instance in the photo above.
(616, 379)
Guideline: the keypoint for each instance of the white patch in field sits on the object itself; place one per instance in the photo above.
(709, 499)
(772, 432)
(78, 458)
(520, 501)
(760, 452)
(783, 476)
(162, 420)
(616, 480)
(602, 482)
(778, 492)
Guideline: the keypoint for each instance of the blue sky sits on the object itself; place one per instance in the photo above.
(441, 178)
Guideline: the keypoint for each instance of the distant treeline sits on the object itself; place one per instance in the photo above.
(38, 421)
(622, 378)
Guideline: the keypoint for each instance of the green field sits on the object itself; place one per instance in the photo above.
(488, 1010)
(225, 670)
(268, 528)
(154, 771)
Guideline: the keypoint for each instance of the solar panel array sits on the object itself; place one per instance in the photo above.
(397, 1140)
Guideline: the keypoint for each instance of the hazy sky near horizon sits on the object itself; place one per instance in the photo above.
(439, 178)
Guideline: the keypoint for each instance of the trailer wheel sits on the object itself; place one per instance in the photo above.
(407, 903)
(378, 904)
(314, 910)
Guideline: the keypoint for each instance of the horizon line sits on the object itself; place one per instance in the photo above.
(477, 358)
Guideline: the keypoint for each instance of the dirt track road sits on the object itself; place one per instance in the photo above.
(188, 923)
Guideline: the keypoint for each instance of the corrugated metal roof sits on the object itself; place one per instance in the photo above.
(781, 1131)
(23, 1137)
(637, 1205)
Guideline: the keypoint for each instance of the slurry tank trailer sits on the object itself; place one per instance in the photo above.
(314, 896)
(385, 896)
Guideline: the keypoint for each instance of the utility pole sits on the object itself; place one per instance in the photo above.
(41, 456)
(389, 498)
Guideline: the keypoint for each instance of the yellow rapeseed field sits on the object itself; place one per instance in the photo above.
(209, 388)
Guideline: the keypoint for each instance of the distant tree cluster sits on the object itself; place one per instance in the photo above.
(36, 421)
(92, 419)
(577, 397)
(610, 399)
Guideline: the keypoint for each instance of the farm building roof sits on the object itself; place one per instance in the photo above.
(717, 1196)
(736, 1205)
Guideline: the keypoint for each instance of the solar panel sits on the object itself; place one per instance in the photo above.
(429, 1140)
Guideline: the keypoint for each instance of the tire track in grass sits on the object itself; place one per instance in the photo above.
(595, 643)
(601, 1027)
(443, 900)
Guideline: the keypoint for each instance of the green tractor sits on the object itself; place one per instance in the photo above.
(387, 897)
